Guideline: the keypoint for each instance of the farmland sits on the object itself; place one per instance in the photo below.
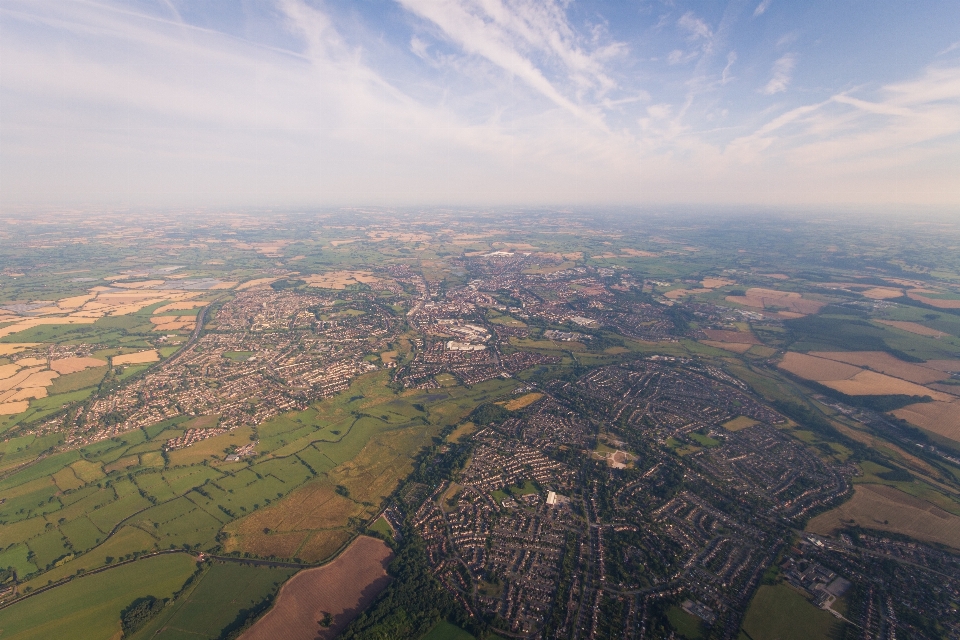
(887, 509)
(89, 607)
(320, 602)
(692, 397)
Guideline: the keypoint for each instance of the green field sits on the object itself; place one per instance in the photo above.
(781, 613)
(89, 608)
(685, 624)
(446, 631)
(215, 601)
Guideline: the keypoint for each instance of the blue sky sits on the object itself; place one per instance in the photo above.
(479, 102)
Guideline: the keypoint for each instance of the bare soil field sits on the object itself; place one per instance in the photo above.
(941, 418)
(740, 337)
(884, 363)
(340, 279)
(875, 506)
(819, 369)
(912, 327)
(770, 298)
(869, 383)
(64, 366)
(137, 358)
(342, 589)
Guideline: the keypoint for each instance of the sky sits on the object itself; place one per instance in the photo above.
(309, 103)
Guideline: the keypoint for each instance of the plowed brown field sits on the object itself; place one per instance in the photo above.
(342, 588)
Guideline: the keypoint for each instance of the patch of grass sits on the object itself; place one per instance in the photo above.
(703, 440)
(781, 613)
(739, 423)
(215, 601)
(688, 626)
(237, 356)
(76, 381)
(381, 527)
(446, 631)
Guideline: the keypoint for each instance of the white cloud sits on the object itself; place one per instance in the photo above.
(698, 30)
(782, 74)
(725, 76)
(105, 105)
(512, 33)
(761, 8)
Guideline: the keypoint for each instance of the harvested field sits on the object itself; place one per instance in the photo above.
(12, 348)
(869, 383)
(632, 253)
(137, 358)
(12, 408)
(819, 369)
(173, 323)
(875, 506)
(29, 323)
(523, 401)
(934, 302)
(912, 327)
(187, 304)
(713, 283)
(736, 347)
(680, 293)
(882, 293)
(7, 370)
(342, 589)
(884, 363)
(340, 279)
(941, 418)
(73, 365)
(772, 299)
(740, 337)
(949, 366)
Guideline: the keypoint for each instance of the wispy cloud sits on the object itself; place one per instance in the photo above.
(761, 8)
(512, 35)
(781, 75)
(464, 101)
